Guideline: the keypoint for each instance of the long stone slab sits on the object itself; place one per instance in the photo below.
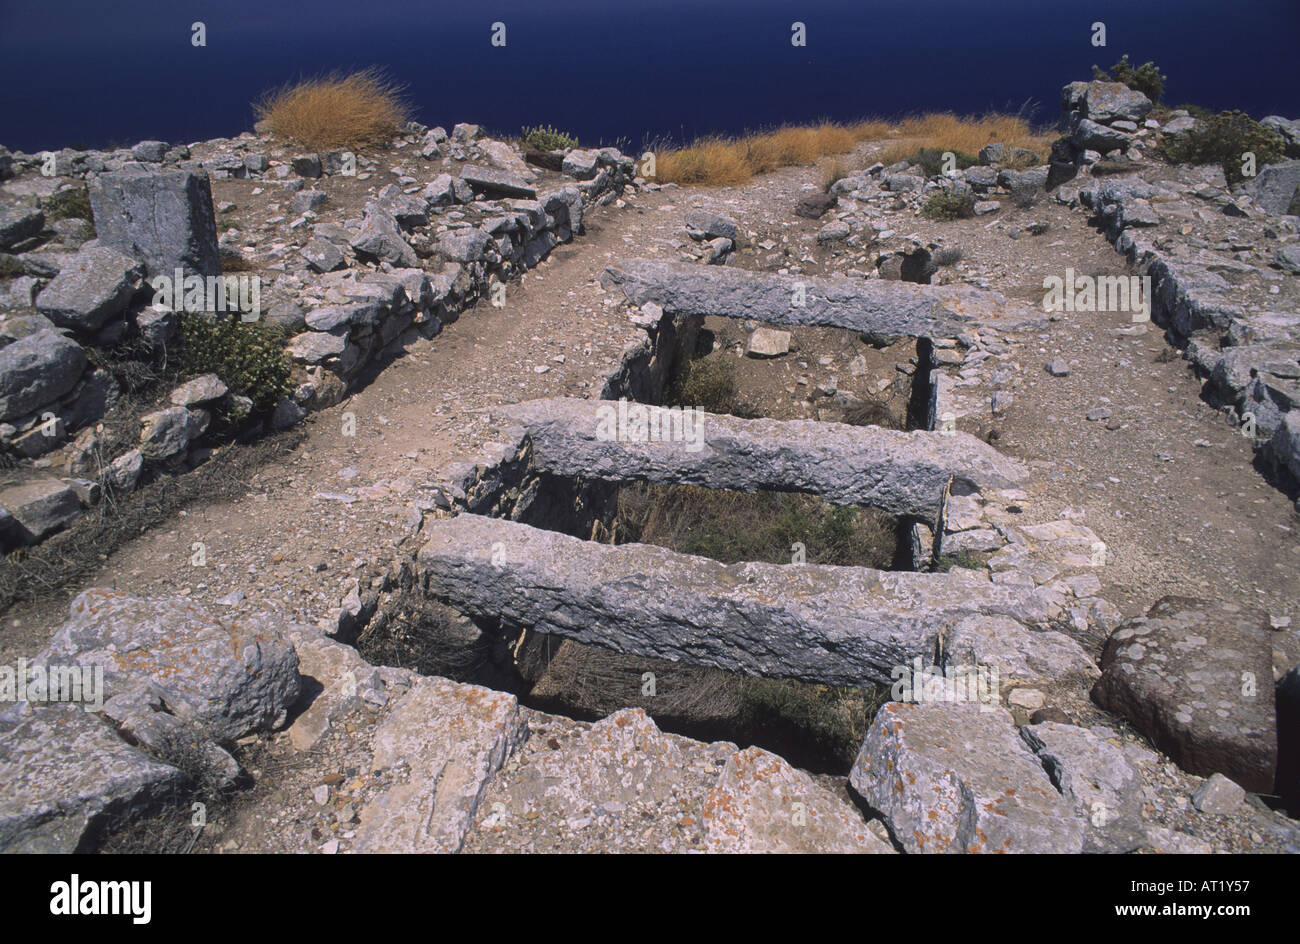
(880, 306)
(836, 625)
(902, 473)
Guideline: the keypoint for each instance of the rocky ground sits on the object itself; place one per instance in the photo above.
(1122, 442)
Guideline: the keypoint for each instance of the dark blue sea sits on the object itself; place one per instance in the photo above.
(95, 74)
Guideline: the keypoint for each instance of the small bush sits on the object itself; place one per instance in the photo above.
(931, 159)
(546, 138)
(1145, 78)
(249, 358)
(948, 205)
(336, 111)
(948, 256)
(73, 203)
(1222, 139)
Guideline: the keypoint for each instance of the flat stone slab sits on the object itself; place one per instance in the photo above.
(497, 181)
(441, 744)
(837, 625)
(955, 777)
(902, 473)
(880, 306)
(64, 772)
(763, 805)
(1197, 678)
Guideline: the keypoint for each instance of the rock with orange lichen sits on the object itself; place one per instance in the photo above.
(762, 804)
(439, 747)
(956, 777)
(229, 676)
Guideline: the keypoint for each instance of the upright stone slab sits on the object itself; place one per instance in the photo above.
(876, 305)
(163, 218)
(1197, 678)
(836, 625)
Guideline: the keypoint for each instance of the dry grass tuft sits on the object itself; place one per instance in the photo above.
(336, 110)
(948, 132)
(724, 162)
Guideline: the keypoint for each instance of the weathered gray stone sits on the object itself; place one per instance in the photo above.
(904, 473)
(1195, 677)
(1090, 135)
(768, 342)
(763, 805)
(1218, 796)
(163, 218)
(312, 347)
(382, 238)
(39, 509)
(886, 307)
(992, 153)
(1274, 187)
(706, 224)
(124, 472)
(463, 245)
(1284, 447)
(65, 772)
(336, 316)
(307, 165)
(954, 777)
(199, 391)
(305, 201)
(496, 182)
(18, 223)
(1108, 101)
(836, 625)
(231, 675)
(1097, 779)
(1019, 654)
(441, 745)
(169, 431)
(581, 164)
(36, 370)
(94, 287)
(322, 255)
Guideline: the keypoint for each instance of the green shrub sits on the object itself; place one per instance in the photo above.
(931, 160)
(546, 138)
(248, 357)
(947, 205)
(1145, 78)
(1222, 139)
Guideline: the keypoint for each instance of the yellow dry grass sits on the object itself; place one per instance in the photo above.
(336, 110)
(719, 161)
